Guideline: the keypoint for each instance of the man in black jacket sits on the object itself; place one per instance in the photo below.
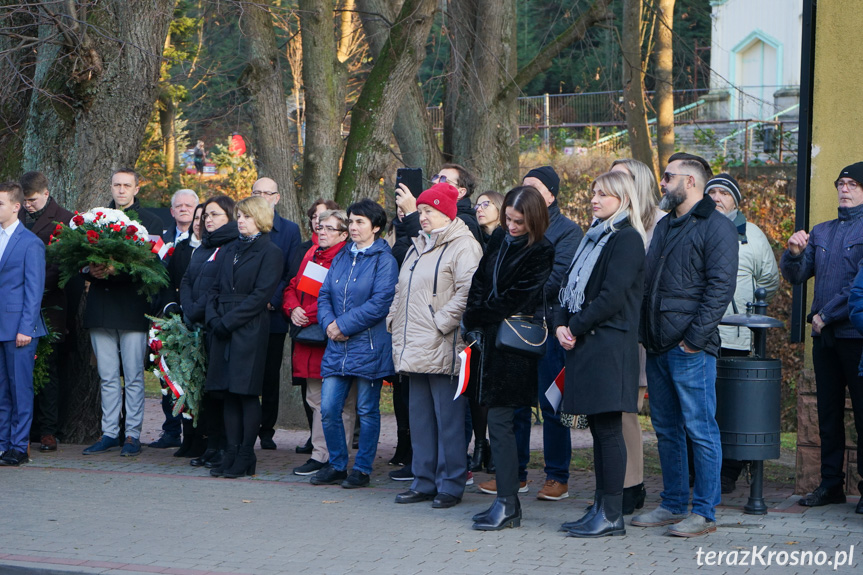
(689, 280)
(183, 204)
(565, 235)
(39, 214)
(286, 235)
(409, 227)
(115, 316)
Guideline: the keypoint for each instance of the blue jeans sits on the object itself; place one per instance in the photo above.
(334, 390)
(682, 389)
(556, 439)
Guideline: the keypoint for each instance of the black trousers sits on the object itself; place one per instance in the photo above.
(609, 451)
(401, 402)
(272, 382)
(836, 367)
(503, 449)
(48, 400)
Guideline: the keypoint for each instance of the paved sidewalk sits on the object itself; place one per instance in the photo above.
(67, 513)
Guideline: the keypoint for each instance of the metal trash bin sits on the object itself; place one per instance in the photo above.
(748, 394)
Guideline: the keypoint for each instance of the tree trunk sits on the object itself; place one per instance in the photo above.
(262, 82)
(412, 127)
(324, 80)
(89, 88)
(372, 117)
(480, 117)
(83, 410)
(633, 83)
(16, 77)
(664, 98)
(167, 117)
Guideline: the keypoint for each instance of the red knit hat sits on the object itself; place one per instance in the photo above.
(442, 197)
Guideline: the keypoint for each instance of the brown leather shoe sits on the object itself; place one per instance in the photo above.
(553, 491)
(490, 487)
(49, 443)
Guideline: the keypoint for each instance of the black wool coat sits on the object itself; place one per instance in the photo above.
(238, 299)
(54, 300)
(509, 380)
(602, 369)
(114, 302)
(202, 271)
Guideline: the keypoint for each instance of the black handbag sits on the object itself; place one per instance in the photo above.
(310, 335)
(521, 334)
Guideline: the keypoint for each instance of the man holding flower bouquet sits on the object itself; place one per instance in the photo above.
(116, 316)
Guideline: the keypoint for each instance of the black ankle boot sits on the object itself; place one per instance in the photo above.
(188, 437)
(481, 454)
(504, 512)
(216, 460)
(404, 452)
(591, 511)
(199, 446)
(207, 456)
(489, 467)
(244, 463)
(227, 461)
(633, 498)
(607, 521)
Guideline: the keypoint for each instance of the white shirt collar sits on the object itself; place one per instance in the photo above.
(11, 228)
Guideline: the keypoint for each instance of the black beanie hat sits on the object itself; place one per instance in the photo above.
(547, 176)
(854, 171)
(726, 182)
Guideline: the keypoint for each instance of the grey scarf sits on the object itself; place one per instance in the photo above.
(572, 294)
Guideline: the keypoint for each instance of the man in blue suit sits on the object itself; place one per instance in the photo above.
(286, 235)
(22, 281)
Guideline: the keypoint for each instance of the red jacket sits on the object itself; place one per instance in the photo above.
(306, 361)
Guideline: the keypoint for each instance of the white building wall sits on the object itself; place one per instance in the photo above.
(755, 46)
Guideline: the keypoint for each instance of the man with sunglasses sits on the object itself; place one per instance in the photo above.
(831, 253)
(689, 278)
(453, 174)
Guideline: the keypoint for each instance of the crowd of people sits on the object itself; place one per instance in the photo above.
(507, 281)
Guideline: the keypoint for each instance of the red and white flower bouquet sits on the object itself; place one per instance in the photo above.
(108, 237)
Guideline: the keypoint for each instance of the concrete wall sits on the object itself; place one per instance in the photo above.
(837, 122)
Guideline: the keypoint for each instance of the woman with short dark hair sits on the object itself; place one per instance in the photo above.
(217, 229)
(352, 308)
(509, 281)
(238, 328)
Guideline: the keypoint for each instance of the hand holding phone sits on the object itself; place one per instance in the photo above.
(405, 200)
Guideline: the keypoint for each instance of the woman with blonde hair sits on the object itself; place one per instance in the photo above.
(597, 326)
(238, 327)
(634, 491)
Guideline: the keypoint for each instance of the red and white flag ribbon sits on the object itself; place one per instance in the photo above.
(212, 258)
(160, 248)
(554, 393)
(175, 388)
(464, 372)
(312, 279)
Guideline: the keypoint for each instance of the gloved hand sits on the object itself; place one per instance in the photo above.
(172, 308)
(476, 336)
(219, 329)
